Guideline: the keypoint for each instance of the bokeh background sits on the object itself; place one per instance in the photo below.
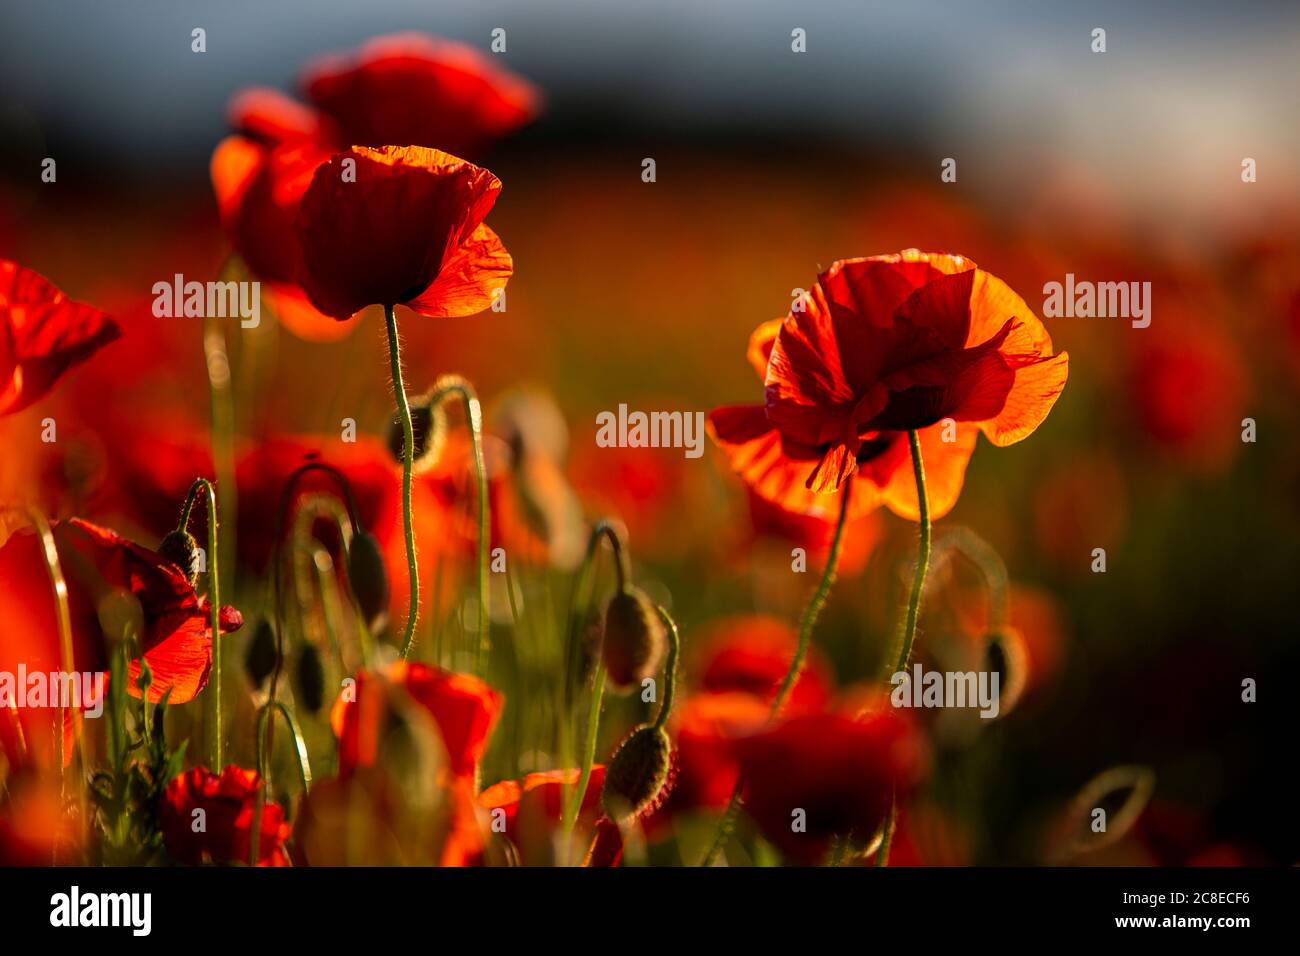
(770, 165)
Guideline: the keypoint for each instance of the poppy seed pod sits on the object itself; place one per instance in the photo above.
(180, 548)
(634, 638)
(309, 679)
(368, 578)
(636, 775)
(259, 659)
(428, 432)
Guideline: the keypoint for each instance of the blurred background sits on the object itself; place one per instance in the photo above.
(1122, 166)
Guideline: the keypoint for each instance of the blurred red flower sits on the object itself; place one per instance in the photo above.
(229, 804)
(813, 778)
(409, 230)
(411, 89)
(97, 564)
(43, 333)
(751, 653)
(464, 708)
(882, 346)
(531, 809)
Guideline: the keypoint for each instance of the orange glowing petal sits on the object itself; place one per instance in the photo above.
(1032, 396)
(470, 279)
(293, 310)
(235, 164)
(945, 472)
(760, 345)
(271, 116)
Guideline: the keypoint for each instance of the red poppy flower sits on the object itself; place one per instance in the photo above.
(176, 637)
(409, 230)
(403, 90)
(883, 346)
(223, 832)
(412, 89)
(464, 708)
(43, 333)
(832, 773)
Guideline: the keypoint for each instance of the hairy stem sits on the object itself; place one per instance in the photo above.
(727, 823)
(408, 435)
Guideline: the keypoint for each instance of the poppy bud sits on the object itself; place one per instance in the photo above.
(636, 775)
(634, 638)
(429, 431)
(309, 679)
(259, 659)
(368, 578)
(180, 548)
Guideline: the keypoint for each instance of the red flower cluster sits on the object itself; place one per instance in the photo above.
(400, 92)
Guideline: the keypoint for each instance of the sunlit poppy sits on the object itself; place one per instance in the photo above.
(43, 333)
(406, 90)
(879, 347)
(99, 565)
(409, 230)
(228, 803)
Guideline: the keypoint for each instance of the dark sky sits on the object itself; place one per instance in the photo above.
(1199, 83)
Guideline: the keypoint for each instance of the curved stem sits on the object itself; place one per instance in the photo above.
(444, 387)
(986, 559)
(202, 485)
(63, 617)
(408, 435)
(263, 770)
(806, 623)
(913, 610)
(922, 555)
(670, 669)
(603, 529)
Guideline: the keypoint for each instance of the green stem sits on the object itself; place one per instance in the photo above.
(623, 567)
(408, 435)
(443, 388)
(806, 623)
(913, 610)
(263, 767)
(588, 759)
(670, 669)
(922, 556)
(202, 485)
